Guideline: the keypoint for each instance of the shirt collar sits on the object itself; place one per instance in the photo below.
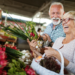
(56, 26)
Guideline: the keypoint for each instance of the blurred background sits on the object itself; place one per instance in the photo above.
(29, 10)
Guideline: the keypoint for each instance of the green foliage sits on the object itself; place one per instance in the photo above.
(30, 23)
(31, 26)
(20, 73)
(23, 31)
(16, 68)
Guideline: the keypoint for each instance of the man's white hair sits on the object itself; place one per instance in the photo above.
(56, 3)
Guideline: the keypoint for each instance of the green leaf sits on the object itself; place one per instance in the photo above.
(20, 73)
(11, 70)
(11, 65)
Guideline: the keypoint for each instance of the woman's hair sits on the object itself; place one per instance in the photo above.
(71, 13)
(39, 29)
(57, 3)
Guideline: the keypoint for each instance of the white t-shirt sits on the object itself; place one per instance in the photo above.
(39, 33)
(68, 51)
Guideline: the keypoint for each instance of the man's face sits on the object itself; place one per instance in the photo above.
(56, 13)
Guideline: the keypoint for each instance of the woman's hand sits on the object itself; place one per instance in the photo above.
(32, 44)
(50, 52)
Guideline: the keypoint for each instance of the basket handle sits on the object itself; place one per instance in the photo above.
(62, 62)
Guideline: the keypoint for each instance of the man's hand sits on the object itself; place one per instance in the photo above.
(46, 37)
(32, 44)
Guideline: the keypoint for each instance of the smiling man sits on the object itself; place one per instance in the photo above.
(55, 29)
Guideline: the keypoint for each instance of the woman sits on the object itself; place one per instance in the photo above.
(39, 31)
(65, 44)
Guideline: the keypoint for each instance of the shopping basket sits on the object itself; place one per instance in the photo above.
(43, 71)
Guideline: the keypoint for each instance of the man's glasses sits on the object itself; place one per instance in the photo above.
(67, 19)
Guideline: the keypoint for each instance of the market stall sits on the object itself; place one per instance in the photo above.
(16, 62)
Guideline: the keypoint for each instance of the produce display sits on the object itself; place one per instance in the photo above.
(10, 63)
(4, 33)
(22, 31)
(15, 62)
(10, 36)
(18, 62)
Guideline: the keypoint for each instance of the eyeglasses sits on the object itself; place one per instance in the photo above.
(67, 19)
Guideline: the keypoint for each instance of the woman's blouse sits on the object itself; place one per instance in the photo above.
(68, 51)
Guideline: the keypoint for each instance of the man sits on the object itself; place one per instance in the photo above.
(55, 29)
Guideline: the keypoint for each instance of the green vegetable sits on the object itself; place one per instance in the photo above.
(23, 34)
(20, 73)
(13, 52)
(16, 68)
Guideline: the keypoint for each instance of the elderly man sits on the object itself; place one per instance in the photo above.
(55, 29)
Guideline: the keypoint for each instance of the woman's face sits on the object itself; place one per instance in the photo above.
(68, 23)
